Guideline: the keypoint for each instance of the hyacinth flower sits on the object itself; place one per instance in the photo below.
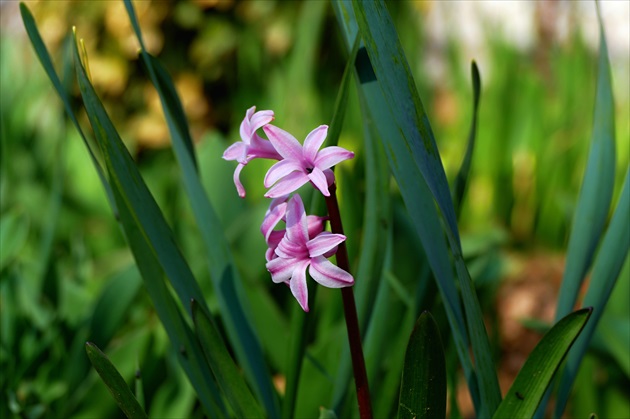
(251, 146)
(276, 213)
(301, 164)
(297, 251)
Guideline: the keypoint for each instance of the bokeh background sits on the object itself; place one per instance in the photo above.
(66, 275)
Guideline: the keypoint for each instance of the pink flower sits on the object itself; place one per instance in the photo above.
(301, 164)
(251, 146)
(276, 213)
(296, 251)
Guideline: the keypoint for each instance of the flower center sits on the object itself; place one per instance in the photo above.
(309, 170)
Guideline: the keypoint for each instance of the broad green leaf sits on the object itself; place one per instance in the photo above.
(606, 269)
(225, 370)
(398, 88)
(595, 195)
(423, 386)
(461, 181)
(151, 241)
(597, 187)
(114, 382)
(399, 91)
(44, 58)
(532, 380)
(189, 353)
(231, 296)
(419, 202)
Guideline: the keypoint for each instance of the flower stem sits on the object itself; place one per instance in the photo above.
(350, 312)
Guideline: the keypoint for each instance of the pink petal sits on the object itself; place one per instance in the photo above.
(237, 181)
(319, 180)
(259, 119)
(275, 238)
(272, 218)
(314, 141)
(270, 254)
(329, 275)
(291, 250)
(280, 170)
(288, 184)
(315, 225)
(261, 148)
(245, 129)
(284, 143)
(297, 228)
(330, 176)
(281, 269)
(237, 151)
(324, 242)
(330, 156)
(298, 285)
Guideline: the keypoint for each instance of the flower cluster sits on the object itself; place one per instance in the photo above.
(303, 243)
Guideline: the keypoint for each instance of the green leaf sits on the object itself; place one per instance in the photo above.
(114, 382)
(152, 244)
(419, 199)
(225, 371)
(189, 353)
(231, 296)
(532, 380)
(14, 227)
(597, 187)
(461, 181)
(610, 259)
(399, 91)
(423, 386)
(44, 58)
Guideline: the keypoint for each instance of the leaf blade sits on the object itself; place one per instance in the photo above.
(230, 381)
(423, 386)
(533, 379)
(114, 382)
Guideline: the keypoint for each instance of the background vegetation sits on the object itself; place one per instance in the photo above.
(67, 276)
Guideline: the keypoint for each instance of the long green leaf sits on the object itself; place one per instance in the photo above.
(400, 93)
(44, 59)
(420, 205)
(398, 88)
(423, 386)
(226, 372)
(189, 353)
(230, 294)
(532, 380)
(606, 270)
(151, 241)
(461, 181)
(597, 187)
(114, 382)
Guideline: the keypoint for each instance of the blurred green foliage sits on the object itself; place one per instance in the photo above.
(67, 276)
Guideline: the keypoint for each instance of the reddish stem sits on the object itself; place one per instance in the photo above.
(350, 311)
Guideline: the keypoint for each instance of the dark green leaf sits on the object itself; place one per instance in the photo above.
(225, 371)
(421, 206)
(230, 293)
(423, 387)
(606, 269)
(44, 58)
(532, 380)
(461, 181)
(152, 243)
(597, 187)
(114, 382)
